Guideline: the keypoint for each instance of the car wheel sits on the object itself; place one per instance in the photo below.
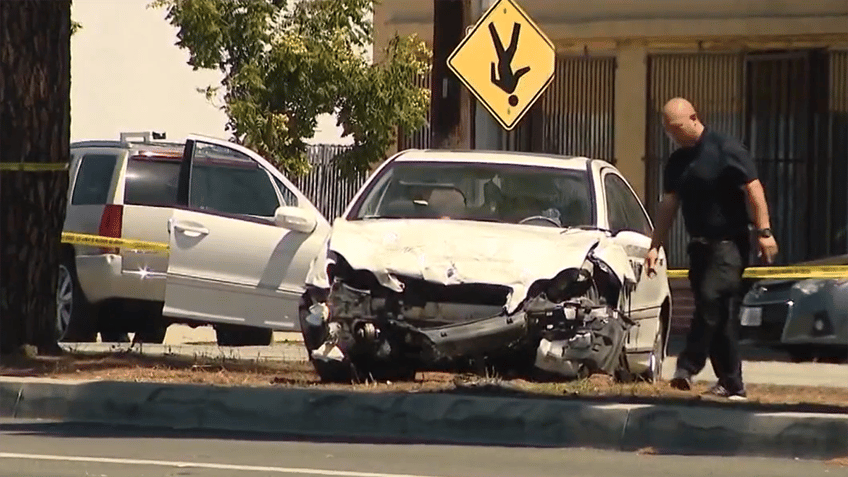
(347, 370)
(313, 337)
(655, 360)
(339, 372)
(75, 320)
(239, 335)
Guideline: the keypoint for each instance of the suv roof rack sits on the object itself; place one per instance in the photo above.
(128, 139)
(147, 136)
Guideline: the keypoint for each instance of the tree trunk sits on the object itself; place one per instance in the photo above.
(34, 127)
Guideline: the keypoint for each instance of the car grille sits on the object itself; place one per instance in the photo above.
(775, 313)
(419, 292)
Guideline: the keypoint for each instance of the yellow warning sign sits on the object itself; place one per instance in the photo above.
(506, 61)
(100, 241)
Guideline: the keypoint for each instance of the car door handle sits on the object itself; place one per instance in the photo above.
(191, 230)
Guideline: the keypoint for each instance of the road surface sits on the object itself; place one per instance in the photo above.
(29, 448)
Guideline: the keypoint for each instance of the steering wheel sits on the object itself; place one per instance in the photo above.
(541, 217)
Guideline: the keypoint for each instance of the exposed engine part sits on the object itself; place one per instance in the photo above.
(578, 331)
(318, 314)
(367, 331)
(346, 301)
(590, 342)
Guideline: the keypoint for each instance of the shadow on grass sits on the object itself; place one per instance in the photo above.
(125, 366)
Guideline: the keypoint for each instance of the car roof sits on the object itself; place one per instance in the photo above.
(494, 157)
(135, 147)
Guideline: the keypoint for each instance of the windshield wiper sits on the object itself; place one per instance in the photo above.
(586, 227)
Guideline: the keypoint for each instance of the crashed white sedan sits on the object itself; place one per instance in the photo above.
(531, 260)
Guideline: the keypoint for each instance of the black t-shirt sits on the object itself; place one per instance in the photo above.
(709, 179)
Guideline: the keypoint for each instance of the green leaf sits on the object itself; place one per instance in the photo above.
(285, 63)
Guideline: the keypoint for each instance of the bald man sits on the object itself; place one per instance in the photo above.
(713, 178)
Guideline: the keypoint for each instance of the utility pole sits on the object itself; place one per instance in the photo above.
(449, 21)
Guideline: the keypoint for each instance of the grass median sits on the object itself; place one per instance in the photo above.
(223, 371)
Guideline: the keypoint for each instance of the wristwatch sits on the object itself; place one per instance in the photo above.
(765, 233)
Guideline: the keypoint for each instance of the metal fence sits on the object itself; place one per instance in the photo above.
(419, 139)
(578, 109)
(575, 116)
(324, 185)
(834, 128)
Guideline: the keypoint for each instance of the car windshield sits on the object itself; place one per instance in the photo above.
(489, 192)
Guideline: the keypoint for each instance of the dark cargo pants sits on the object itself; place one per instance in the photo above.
(715, 275)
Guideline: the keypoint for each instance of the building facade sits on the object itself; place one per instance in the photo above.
(772, 73)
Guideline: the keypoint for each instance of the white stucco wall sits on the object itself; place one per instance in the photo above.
(128, 75)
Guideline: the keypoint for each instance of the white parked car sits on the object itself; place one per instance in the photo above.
(524, 259)
(241, 240)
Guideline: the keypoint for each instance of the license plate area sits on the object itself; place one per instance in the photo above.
(751, 316)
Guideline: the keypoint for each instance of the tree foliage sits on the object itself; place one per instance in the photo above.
(286, 62)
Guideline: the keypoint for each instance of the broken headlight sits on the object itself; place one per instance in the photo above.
(569, 283)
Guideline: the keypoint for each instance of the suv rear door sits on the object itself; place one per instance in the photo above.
(92, 185)
(229, 260)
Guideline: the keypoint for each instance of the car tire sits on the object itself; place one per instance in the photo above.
(75, 317)
(655, 360)
(346, 371)
(383, 372)
(335, 372)
(313, 336)
(239, 335)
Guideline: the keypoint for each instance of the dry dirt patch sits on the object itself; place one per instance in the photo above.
(135, 367)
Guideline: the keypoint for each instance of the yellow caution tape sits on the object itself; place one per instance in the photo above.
(789, 272)
(33, 166)
(99, 241)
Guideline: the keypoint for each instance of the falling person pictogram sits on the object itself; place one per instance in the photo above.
(503, 77)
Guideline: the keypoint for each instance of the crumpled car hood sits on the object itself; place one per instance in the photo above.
(453, 252)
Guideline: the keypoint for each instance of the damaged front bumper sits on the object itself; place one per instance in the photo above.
(571, 339)
(358, 323)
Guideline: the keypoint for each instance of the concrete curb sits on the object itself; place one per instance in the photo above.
(431, 417)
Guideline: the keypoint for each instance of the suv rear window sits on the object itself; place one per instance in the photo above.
(94, 179)
(152, 182)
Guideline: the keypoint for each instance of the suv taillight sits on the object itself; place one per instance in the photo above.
(111, 224)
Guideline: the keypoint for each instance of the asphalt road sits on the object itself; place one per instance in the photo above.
(48, 449)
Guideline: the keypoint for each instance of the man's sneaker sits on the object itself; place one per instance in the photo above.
(682, 380)
(720, 391)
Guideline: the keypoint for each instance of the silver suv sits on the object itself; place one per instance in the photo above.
(139, 189)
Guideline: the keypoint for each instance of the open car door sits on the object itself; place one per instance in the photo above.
(241, 241)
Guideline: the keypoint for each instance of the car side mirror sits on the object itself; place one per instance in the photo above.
(295, 218)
